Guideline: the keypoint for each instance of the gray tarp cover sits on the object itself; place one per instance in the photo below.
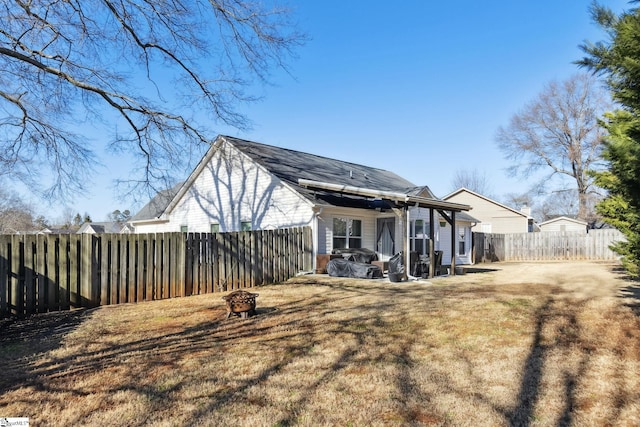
(362, 255)
(345, 268)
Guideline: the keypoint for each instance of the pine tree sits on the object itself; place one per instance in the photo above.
(618, 60)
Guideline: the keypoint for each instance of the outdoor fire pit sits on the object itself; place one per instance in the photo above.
(241, 303)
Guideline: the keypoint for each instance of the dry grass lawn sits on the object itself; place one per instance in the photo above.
(547, 344)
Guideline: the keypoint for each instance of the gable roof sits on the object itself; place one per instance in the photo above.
(462, 189)
(563, 219)
(157, 204)
(291, 166)
(102, 227)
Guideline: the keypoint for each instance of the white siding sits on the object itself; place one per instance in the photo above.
(563, 225)
(368, 218)
(423, 214)
(231, 189)
(445, 244)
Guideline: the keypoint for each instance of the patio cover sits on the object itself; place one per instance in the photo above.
(401, 201)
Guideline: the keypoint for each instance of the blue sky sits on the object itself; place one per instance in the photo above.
(415, 87)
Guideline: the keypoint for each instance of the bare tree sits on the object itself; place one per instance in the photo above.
(120, 216)
(472, 179)
(149, 73)
(559, 132)
(518, 201)
(16, 216)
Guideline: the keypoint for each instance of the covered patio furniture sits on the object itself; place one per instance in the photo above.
(345, 268)
(362, 255)
(396, 268)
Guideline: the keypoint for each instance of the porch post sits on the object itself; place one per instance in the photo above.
(407, 241)
(453, 243)
(401, 214)
(432, 232)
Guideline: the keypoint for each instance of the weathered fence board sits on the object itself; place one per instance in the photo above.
(546, 246)
(41, 273)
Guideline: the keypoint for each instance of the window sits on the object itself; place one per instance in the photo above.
(184, 228)
(215, 228)
(347, 233)
(419, 236)
(245, 226)
(462, 248)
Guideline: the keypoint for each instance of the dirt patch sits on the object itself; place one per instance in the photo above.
(581, 280)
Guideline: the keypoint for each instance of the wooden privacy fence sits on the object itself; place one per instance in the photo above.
(545, 246)
(41, 273)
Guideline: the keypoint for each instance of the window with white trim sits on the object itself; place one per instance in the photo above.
(462, 241)
(347, 233)
(245, 226)
(419, 236)
(215, 227)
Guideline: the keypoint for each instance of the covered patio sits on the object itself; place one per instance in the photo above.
(401, 204)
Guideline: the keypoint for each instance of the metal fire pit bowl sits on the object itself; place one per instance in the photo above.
(241, 303)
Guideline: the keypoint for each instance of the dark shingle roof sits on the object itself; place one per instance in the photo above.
(291, 165)
(157, 205)
(106, 227)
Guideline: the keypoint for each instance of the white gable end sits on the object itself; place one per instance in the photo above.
(230, 189)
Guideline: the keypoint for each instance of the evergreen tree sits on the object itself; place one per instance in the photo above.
(618, 60)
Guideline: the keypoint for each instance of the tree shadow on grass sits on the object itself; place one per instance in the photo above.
(631, 292)
(24, 339)
(286, 335)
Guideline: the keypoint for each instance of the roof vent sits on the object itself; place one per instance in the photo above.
(351, 174)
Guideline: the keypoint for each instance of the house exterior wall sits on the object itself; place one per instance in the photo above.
(369, 226)
(445, 243)
(232, 189)
(493, 217)
(423, 214)
(325, 227)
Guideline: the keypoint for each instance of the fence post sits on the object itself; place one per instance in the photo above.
(5, 280)
(180, 249)
(29, 268)
(16, 291)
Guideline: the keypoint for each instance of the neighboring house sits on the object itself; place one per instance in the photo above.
(563, 223)
(150, 214)
(243, 185)
(493, 217)
(104, 227)
(50, 230)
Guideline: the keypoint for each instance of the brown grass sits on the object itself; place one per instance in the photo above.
(530, 344)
